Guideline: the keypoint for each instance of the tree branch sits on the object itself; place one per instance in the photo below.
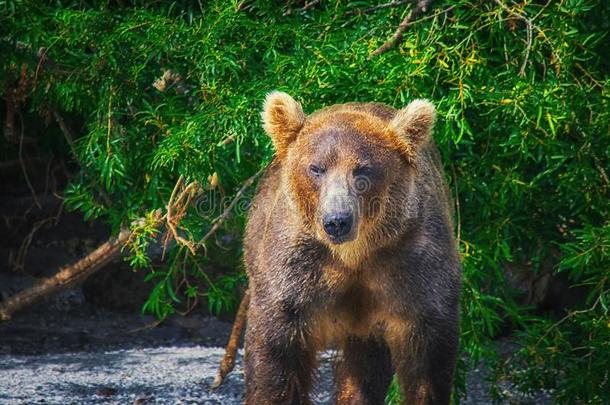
(420, 7)
(369, 10)
(67, 131)
(306, 7)
(68, 276)
(81, 270)
(225, 214)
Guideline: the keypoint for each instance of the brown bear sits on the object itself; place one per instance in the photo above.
(349, 245)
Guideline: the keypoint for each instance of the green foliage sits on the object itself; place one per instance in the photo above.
(555, 353)
(527, 155)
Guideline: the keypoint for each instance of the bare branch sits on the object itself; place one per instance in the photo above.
(180, 199)
(68, 276)
(18, 264)
(225, 214)
(369, 10)
(306, 7)
(589, 76)
(420, 7)
(176, 209)
(570, 315)
(66, 130)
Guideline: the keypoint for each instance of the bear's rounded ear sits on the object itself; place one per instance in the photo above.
(283, 118)
(414, 123)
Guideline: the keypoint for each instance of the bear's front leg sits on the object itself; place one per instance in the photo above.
(278, 361)
(425, 361)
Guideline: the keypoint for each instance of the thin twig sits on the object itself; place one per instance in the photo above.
(19, 263)
(412, 23)
(23, 168)
(369, 10)
(225, 214)
(570, 315)
(168, 214)
(306, 7)
(187, 192)
(601, 170)
(190, 307)
(242, 5)
(586, 73)
(429, 17)
(171, 221)
(151, 325)
(420, 6)
(67, 131)
(70, 137)
(528, 25)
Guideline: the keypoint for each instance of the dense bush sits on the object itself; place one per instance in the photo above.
(174, 89)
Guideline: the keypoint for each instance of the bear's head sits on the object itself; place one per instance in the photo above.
(348, 168)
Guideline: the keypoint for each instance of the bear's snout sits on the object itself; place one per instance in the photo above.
(338, 225)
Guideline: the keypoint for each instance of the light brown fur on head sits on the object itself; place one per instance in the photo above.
(352, 133)
(408, 129)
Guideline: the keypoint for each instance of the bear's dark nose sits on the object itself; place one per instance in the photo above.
(337, 225)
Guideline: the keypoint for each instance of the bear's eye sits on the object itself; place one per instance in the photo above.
(362, 171)
(316, 170)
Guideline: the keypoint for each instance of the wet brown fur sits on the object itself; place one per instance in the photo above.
(387, 300)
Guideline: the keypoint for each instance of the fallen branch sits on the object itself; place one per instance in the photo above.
(68, 276)
(81, 270)
(420, 6)
(228, 361)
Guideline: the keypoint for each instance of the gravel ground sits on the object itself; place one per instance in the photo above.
(163, 375)
(166, 375)
(67, 352)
